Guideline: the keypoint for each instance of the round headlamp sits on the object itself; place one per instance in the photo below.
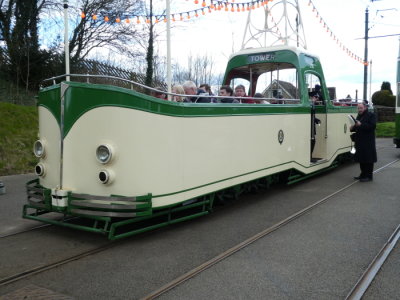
(106, 176)
(103, 154)
(38, 148)
(40, 170)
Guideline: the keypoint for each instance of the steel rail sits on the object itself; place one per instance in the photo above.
(23, 231)
(30, 229)
(50, 266)
(363, 283)
(192, 273)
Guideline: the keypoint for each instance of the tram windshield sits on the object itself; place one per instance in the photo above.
(276, 82)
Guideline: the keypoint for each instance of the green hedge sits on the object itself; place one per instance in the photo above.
(384, 98)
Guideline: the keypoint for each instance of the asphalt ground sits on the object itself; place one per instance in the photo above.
(321, 255)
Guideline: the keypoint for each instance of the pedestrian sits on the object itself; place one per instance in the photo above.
(364, 141)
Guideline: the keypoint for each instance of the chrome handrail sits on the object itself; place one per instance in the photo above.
(88, 76)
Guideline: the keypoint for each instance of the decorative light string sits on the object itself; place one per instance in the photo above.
(214, 5)
(333, 36)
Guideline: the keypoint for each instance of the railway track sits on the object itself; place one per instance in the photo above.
(358, 289)
(193, 272)
(29, 229)
(24, 231)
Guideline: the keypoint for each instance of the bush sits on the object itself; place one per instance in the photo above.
(384, 98)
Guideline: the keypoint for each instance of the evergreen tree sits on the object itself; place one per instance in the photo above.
(386, 87)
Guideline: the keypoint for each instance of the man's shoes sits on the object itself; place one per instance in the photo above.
(366, 179)
(357, 177)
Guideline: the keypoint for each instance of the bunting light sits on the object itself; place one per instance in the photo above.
(333, 36)
(217, 5)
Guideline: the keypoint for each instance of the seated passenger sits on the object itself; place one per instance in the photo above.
(240, 93)
(226, 91)
(257, 99)
(191, 90)
(159, 93)
(206, 88)
(178, 89)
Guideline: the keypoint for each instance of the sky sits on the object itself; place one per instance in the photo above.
(220, 33)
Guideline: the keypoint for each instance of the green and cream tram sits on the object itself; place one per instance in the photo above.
(112, 159)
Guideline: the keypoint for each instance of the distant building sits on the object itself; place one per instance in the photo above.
(281, 89)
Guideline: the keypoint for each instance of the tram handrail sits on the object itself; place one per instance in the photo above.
(241, 99)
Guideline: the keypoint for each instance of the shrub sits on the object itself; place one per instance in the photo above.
(384, 98)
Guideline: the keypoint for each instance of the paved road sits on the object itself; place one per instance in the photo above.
(320, 255)
(11, 204)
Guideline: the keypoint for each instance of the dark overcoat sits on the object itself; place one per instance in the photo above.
(364, 138)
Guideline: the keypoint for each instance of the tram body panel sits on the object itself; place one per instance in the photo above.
(146, 152)
(164, 154)
(49, 133)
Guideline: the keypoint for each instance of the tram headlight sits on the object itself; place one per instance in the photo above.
(40, 170)
(106, 176)
(38, 149)
(104, 153)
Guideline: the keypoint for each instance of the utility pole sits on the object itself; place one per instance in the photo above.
(366, 56)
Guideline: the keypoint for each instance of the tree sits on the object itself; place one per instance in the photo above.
(150, 50)
(199, 69)
(386, 86)
(89, 33)
(21, 53)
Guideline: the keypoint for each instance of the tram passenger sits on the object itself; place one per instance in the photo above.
(206, 88)
(364, 142)
(226, 91)
(318, 92)
(257, 99)
(178, 89)
(314, 121)
(159, 93)
(240, 93)
(192, 91)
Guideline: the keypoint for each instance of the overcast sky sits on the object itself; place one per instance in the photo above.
(220, 33)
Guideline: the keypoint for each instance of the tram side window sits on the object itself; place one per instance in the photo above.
(279, 86)
(268, 83)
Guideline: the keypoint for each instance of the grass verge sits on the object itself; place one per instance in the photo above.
(18, 132)
(385, 129)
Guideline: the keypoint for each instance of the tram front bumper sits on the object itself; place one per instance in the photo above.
(74, 204)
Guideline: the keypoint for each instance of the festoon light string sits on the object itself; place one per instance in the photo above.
(221, 5)
(325, 26)
(214, 5)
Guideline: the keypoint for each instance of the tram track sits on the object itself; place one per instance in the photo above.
(193, 272)
(24, 231)
(49, 266)
(29, 229)
(359, 289)
(208, 264)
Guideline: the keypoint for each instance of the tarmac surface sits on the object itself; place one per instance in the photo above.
(320, 255)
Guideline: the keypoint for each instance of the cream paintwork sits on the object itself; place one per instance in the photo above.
(161, 154)
(49, 133)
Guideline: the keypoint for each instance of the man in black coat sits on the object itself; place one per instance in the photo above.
(364, 141)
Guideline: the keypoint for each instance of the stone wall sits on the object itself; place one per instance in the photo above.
(384, 113)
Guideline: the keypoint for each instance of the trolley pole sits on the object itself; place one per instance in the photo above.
(366, 56)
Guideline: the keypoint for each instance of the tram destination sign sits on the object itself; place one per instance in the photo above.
(261, 57)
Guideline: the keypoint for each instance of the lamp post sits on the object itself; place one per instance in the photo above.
(169, 79)
(66, 40)
(366, 56)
